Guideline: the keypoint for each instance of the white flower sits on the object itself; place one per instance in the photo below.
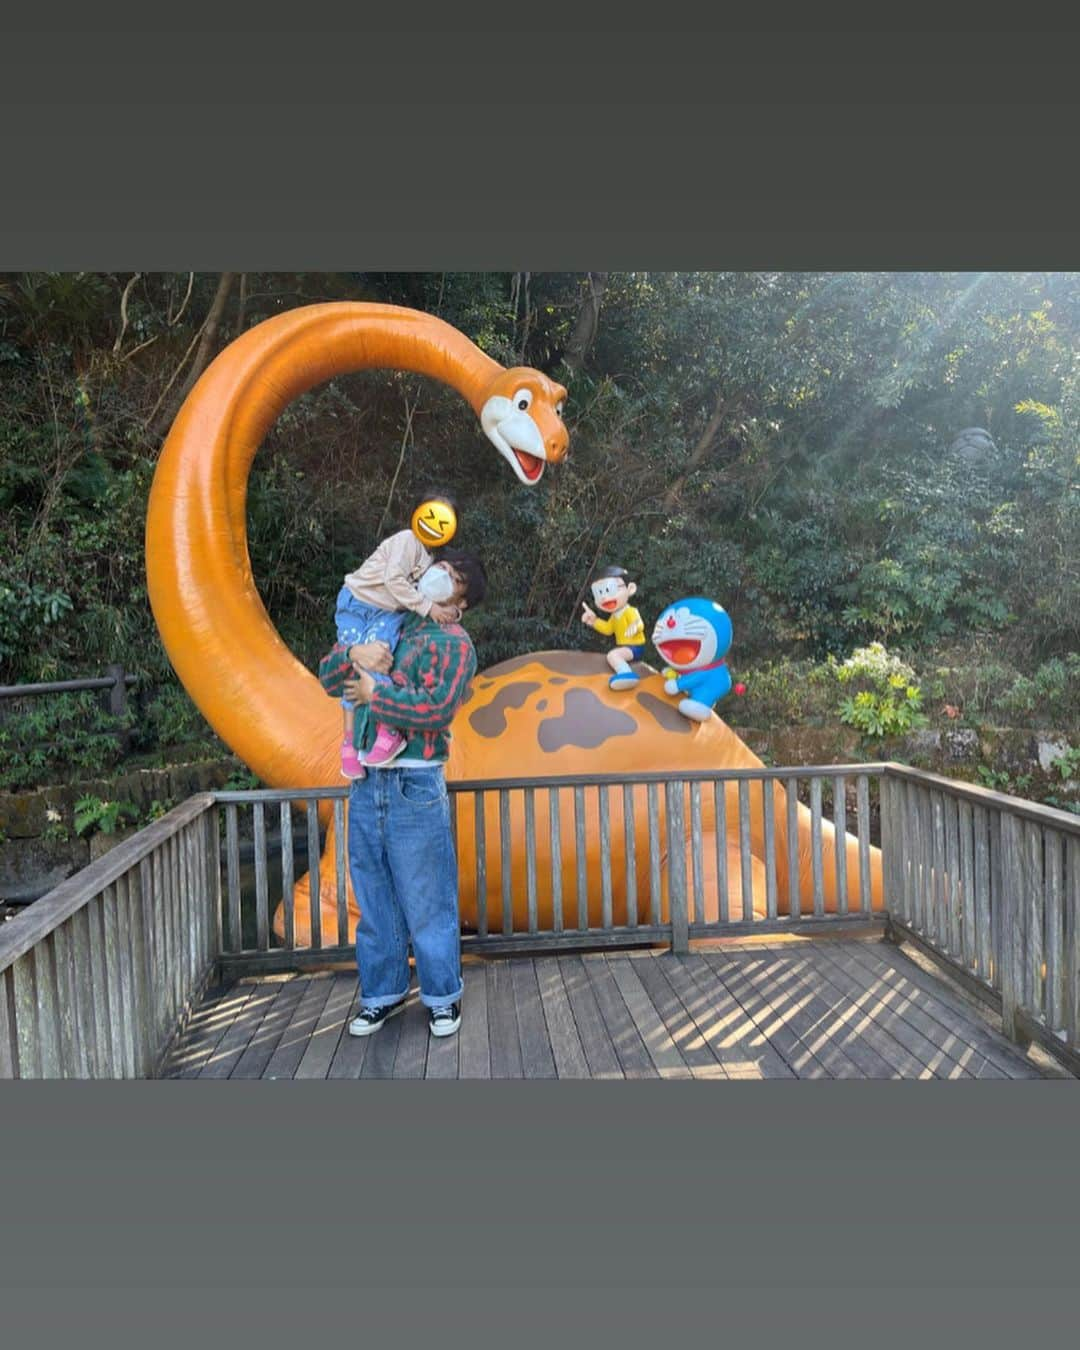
(52, 815)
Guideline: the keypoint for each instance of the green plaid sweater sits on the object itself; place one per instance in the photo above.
(433, 666)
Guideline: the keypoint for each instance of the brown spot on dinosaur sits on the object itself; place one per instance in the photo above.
(667, 714)
(490, 721)
(584, 722)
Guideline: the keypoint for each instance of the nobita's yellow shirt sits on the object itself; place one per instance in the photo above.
(626, 625)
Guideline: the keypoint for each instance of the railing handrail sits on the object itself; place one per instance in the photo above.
(65, 686)
(980, 796)
(576, 780)
(38, 920)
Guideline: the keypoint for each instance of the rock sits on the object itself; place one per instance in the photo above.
(30, 867)
(1046, 751)
(962, 744)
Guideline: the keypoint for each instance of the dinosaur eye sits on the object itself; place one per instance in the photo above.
(522, 399)
(559, 407)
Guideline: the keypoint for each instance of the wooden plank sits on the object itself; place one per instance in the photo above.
(125, 976)
(813, 1010)
(480, 837)
(288, 875)
(555, 831)
(794, 897)
(315, 883)
(596, 1042)
(967, 885)
(581, 861)
(443, 1051)
(152, 874)
(502, 1022)
(225, 1056)
(329, 1030)
(72, 1062)
(983, 935)
(942, 1003)
(506, 864)
(475, 1051)
(266, 1036)
(630, 855)
(793, 1015)
(737, 1041)
(745, 874)
(145, 1044)
(48, 1009)
(952, 876)
(84, 991)
(340, 882)
(944, 1055)
(682, 1030)
(350, 1053)
(676, 857)
(659, 1045)
(655, 850)
(297, 1035)
(9, 1046)
(1032, 905)
(206, 1030)
(382, 1046)
(566, 1048)
(816, 847)
(410, 1060)
(840, 843)
(232, 865)
(537, 1060)
(980, 796)
(1054, 1003)
(633, 1058)
(24, 1015)
(697, 860)
(1071, 953)
(768, 816)
(99, 973)
(530, 859)
(720, 810)
(862, 811)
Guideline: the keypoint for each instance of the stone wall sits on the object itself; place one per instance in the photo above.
(35, 855)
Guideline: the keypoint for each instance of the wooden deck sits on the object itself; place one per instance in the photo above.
(828, 1008)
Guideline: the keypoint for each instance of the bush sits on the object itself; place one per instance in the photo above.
(885, 700)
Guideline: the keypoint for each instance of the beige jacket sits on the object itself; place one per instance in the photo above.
(388, 578)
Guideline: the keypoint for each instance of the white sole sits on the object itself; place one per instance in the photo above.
(365, 1029)
(445, 1030)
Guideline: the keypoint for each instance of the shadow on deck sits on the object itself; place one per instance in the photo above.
(822, 1008)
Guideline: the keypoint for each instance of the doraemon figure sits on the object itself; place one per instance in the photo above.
(693, 637)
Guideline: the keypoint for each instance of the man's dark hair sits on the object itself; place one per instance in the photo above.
(604, 572)
(472, 569)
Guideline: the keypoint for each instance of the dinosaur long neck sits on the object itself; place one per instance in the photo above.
(259, 699)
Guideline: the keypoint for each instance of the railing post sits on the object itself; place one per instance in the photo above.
(118, 692)
(677, 900)
(1009, 909)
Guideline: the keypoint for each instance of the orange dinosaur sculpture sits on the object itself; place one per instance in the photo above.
(260, 700)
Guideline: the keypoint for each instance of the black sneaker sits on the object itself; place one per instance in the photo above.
(445, 1021)
(369, 1020)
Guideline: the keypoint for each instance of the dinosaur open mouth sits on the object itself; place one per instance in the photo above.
(679, 651)
(531, 466)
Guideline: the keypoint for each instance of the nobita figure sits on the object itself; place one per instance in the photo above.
(612, 593)
(693, 637)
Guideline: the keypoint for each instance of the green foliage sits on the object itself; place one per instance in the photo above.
(1067, 764)
(58, 738)
(885, 700)
(91, 813)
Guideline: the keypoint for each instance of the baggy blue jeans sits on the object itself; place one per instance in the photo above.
(404, 874)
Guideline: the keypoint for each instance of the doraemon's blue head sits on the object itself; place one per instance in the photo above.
(692, 633)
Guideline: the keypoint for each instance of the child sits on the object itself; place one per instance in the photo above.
(612, 593)
(400, 575)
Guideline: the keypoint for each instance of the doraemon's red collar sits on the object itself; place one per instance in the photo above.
(713, 664)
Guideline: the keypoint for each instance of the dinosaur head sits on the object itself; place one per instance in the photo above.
(521, 415)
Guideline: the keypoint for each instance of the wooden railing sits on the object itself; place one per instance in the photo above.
(990, 886)
(511, 821)
(98, 976)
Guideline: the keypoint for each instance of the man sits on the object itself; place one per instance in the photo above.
(401, 851)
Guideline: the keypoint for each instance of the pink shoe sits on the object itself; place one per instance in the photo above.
(351, 767)
(388, 745)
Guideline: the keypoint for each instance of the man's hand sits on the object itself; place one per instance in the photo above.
(361, 689)
(588, 616)
(375, 656)
(445, 613)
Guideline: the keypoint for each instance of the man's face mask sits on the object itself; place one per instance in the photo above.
(436, 585)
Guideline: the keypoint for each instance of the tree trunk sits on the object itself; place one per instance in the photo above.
(705, 443)
(588, 321)
(202, 356)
